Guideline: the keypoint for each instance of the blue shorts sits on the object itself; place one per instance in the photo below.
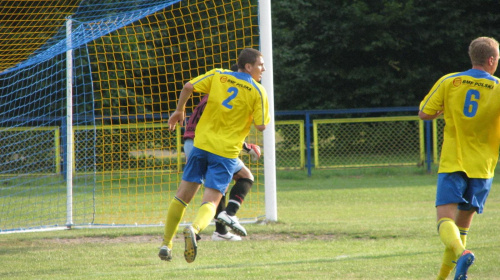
(188, 147)
(468, 192)
(213, 171)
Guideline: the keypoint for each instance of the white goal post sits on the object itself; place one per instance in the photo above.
(269, 138)
(83, 123)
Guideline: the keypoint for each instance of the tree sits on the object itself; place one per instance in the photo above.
(355, 54)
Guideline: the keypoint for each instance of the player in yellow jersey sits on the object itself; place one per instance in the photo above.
(470, 104)
(225, 215)
(236, 101)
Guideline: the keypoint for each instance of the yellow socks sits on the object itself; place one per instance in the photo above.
(204, 216)
(450, 235)
(174, 215)
(454, 238)
(447, 265)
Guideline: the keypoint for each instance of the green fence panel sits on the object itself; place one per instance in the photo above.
(290, 144)
(365, 142)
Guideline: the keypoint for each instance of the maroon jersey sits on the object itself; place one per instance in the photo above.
(194, 118)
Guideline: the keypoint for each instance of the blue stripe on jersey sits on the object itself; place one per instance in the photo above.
(203, 79)
(474, 73)
(478, 74)
(241, 75)
(423, 106)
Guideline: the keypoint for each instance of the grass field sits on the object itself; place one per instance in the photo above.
(376, 224)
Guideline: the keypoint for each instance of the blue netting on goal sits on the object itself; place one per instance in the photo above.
(114, 14)
(33, 120)
(103, 156)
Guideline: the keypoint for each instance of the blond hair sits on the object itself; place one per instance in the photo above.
(481, 49)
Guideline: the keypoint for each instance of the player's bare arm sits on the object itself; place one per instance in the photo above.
(426, 117)
(180, 112)
(260, 127)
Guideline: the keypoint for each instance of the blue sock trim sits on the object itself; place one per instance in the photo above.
(180, 200)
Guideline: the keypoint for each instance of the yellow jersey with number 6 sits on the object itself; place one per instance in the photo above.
(235, 101)
(470, 102)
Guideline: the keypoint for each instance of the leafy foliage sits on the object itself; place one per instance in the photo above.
(356, 54)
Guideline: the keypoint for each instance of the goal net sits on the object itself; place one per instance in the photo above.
(86, 91)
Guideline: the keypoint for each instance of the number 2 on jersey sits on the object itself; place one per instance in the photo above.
(234, 92)
(470, 105)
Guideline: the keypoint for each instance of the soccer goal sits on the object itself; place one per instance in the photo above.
(86, 91)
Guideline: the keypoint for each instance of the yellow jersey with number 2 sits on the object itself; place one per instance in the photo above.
(470, 102)
(235, 101)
